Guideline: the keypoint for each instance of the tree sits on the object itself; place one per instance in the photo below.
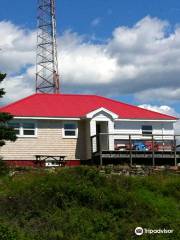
(6, 133)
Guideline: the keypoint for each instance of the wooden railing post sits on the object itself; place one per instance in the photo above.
(175, 156)
(108, 137)
(91, 146)
(153, 158)
(130, 148)
(100, 149)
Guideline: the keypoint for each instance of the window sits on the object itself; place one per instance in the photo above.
(147, 130)
(70, 130)
(24, 129)
(28, 129)
(16, 127)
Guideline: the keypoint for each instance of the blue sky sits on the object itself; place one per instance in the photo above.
(93, 22)
(117, 12)
(78, 14)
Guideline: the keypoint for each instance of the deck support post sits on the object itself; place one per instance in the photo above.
(91, 146)
(101, 159)
(100, 149)
(130, 148)
(153, 158)
(175, 156)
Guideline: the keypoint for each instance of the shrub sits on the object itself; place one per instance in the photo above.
(4, 169)
(7, 234)
(81, 204)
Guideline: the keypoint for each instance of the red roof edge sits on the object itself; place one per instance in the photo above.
(18, 101)
(127, 104)
(169, 117)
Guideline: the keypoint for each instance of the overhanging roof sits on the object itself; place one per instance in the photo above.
(77, 106)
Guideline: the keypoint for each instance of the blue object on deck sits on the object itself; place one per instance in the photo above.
(140, 146)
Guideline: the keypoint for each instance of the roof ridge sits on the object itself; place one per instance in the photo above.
(134, 106)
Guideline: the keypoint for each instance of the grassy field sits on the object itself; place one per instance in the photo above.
(81, 204)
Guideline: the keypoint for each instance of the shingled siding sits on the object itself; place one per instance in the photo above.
(49, 141)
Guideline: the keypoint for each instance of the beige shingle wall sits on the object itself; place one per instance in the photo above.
(49, 141)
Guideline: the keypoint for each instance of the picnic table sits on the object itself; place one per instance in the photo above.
(57, 159)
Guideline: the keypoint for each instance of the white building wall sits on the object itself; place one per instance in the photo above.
(123, 129)
(135, 127)
(102, 117)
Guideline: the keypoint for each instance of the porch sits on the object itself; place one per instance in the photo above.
(135, 149)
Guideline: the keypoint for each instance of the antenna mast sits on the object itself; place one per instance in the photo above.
(47, 77)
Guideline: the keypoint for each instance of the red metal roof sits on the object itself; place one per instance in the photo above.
(69, 105)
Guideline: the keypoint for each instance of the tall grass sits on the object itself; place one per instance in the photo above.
(81, 204)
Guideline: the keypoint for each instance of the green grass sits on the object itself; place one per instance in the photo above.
(81, 204)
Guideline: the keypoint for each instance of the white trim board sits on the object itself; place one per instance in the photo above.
(94, 112)
(91, 114)
(145, 120)
(76, 131)
(49, 118)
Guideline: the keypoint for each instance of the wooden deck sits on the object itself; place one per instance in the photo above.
(132, 157)
(160, 149)
(139, 154)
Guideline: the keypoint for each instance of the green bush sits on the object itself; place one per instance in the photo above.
(4, 169)
(7, 234)
(81, 204)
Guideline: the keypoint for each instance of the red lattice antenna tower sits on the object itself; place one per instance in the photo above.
(47, 77)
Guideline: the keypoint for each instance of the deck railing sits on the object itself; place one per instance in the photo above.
(134, 143)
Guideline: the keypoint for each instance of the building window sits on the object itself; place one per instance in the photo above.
(24, 129)
(147, 130)
(16, 127)
(70, 130)
(28, 129)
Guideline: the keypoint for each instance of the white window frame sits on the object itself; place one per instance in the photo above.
(21, 129)
(76, 129)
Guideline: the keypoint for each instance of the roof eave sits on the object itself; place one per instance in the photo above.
(146, 120)
(47, 118)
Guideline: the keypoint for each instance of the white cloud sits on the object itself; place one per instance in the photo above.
(142, 60)
(162, 109)
(95, 22)
(17, 87)
(17, 47)
(162, 94)
(85, 63)
(166, 110)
